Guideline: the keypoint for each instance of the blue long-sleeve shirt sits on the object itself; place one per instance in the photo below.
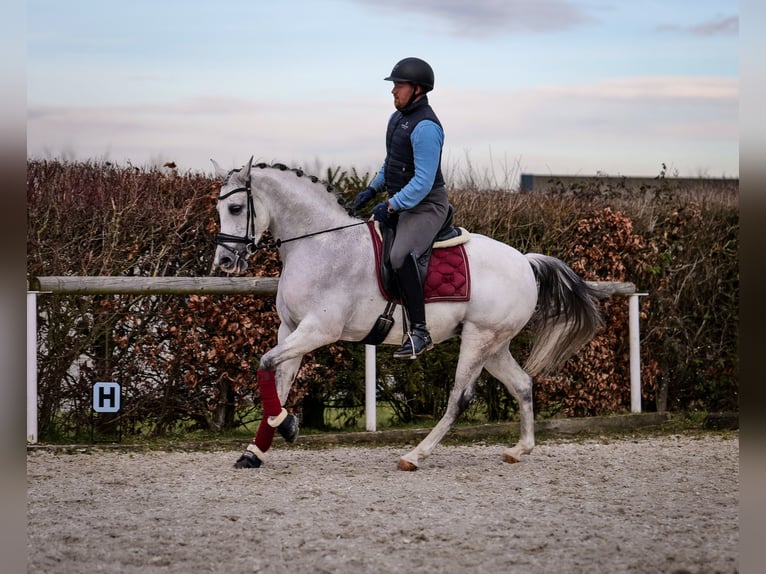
(427, 139)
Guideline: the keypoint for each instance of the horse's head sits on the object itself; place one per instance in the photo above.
(243, 219)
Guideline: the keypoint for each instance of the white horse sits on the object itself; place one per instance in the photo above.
(328, 291)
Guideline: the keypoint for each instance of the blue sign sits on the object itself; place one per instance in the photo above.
(106, 397)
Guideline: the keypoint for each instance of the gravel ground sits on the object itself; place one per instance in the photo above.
(647, 504)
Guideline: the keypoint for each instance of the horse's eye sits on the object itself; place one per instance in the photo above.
(235, 209)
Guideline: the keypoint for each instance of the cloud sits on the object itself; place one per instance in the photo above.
(191, 131)
(627, 125)
(654, 88)
(724, 26)
(483, 17)
(599, 106)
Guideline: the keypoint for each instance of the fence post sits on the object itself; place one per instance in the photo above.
(370, 402)
(634, 337)
(32, 367)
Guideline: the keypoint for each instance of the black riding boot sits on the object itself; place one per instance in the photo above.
(417, 340)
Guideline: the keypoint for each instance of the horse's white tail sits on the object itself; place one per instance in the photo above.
(567, 315)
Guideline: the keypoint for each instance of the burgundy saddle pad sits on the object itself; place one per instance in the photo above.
(448, 278)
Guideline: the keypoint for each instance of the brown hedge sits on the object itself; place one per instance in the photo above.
(189, 362)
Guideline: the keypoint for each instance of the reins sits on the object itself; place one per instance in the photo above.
(278, 242)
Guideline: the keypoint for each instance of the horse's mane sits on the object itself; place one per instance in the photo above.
(341, 200)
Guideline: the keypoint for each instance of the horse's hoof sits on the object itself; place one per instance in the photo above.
(406, 465)
(510, 459)
(289, 428)
(248, 460)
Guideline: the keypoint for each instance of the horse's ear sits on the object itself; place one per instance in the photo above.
(244, 173)
(219, 171)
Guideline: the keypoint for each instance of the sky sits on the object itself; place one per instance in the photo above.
(567, 87)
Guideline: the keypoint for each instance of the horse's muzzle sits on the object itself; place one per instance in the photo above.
(229, 260)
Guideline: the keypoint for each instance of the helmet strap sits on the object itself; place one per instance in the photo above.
(414, 95)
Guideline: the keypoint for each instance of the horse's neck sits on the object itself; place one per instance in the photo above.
(299, 206)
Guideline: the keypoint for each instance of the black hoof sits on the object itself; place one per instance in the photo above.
(289, 428)
(248, 460)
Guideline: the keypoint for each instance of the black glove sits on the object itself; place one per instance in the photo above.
(363, 197)
(380, 212)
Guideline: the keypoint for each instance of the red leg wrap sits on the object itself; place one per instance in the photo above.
(265, 435)
(268, 385)
(271, 408)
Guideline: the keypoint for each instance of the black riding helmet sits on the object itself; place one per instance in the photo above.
(415, 71)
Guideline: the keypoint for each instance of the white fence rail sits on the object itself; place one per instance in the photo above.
(264, 286)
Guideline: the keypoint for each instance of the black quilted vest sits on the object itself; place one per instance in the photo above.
(400, 161)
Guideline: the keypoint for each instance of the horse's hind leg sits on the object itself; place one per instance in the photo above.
(469, 367)
(459, 399)
(504, 368)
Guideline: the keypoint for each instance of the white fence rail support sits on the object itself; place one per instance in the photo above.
(634, 336)
(32, 367)
(610, 289)
(370, 397)
(106, 285)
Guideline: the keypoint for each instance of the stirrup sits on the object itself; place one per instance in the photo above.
(416, 342)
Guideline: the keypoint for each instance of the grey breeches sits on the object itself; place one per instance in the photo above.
(417, 227)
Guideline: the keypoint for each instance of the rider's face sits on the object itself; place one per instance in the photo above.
(402, 93)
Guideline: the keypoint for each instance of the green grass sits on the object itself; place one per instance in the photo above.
(348, 421)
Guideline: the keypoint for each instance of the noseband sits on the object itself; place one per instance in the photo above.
(248, 239)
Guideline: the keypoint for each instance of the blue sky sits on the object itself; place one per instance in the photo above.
(534, 86)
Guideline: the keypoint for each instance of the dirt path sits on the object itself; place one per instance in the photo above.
(657, 504)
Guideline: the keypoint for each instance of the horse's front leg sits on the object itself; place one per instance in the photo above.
(276, 372)
(287, 423)
(285, 375)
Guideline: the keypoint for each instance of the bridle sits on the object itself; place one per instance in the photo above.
(247, 240)
(249, 245)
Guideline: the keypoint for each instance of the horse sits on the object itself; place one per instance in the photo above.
(328, 291)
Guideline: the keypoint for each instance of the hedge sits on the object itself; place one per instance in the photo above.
(189, 362)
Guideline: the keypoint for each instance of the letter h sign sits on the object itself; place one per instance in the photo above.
(106, 397)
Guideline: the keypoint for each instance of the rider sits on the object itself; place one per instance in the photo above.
(417, 204)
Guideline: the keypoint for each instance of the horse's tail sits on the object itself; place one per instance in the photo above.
(567, 315)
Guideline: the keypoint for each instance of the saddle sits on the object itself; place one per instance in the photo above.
(444, 266)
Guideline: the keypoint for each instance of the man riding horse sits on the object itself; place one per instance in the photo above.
(417, 204)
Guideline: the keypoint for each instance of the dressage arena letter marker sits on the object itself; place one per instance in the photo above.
(106, 397)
